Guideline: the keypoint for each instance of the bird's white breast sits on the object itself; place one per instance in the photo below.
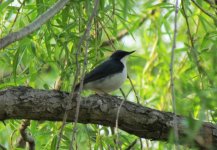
(109, 84)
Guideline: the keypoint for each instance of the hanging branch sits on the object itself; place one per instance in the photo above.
(15, 36)
(84, 37)
(172, 76)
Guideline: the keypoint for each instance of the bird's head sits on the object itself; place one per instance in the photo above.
(119, 54)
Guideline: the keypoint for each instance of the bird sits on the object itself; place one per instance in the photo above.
(107, 76)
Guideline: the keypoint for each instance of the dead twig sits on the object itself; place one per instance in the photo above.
(25, 136)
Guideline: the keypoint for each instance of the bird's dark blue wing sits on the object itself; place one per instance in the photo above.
(107, 68)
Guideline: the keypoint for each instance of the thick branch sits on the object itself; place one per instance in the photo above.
(28, 103)
(14, 36)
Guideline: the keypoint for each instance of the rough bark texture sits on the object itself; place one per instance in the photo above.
(35, 104)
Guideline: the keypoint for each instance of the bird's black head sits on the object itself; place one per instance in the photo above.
(119, 54)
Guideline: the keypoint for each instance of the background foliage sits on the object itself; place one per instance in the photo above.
(46, 59)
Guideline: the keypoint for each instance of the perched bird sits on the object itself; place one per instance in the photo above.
(107, 76)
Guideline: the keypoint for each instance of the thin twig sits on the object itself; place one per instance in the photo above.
(83, 38)
(204, 11)
(68, 104)
(172, 76)
(118, 38)
(131, 145)
(77, 72)
(106, 33)
(70, 97)
(117, 117)
(18, 11)
(15, 36)
(193, 50)
(134, 90)
(61, 129)
(188, 26)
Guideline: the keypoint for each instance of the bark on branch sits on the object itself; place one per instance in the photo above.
(35, 104)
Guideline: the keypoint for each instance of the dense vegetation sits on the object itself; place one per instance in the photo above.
(47, 59)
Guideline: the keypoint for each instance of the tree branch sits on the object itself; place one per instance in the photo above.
(14, 36)
(35, 104)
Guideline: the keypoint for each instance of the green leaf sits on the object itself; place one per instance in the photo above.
(54, 142)
(4, 5)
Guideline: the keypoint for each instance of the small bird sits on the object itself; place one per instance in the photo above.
(109, 75)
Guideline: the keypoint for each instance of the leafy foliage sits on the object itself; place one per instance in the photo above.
(46, 58)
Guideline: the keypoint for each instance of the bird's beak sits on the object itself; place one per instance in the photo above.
(130, 52)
